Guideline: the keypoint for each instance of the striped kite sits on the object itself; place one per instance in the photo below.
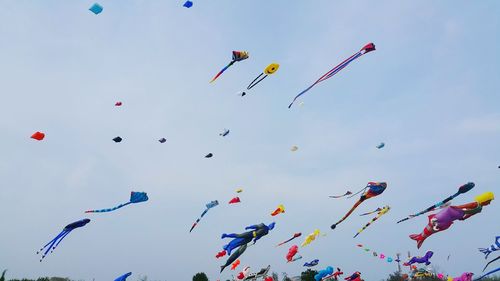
(366, 49)
(382, 212)
(237, 56)
(135, 197)
(209, 206)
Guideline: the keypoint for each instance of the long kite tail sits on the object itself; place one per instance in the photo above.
(198, 220)
(368, 48)
(108, 210)
(495, 259)
(340, 196)
(369, 223)
(484, 275)
(234, 256)
(51, 243)
(220, 72)
(348, 213)
(284, 242)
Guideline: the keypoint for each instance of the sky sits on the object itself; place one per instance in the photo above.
(430, 92)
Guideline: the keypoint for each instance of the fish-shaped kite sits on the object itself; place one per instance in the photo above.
(135, 197)
(291, 253)
(52, 245)
(311, 237)
(237, 56)
(279, 210)
(270, 69)
(372, 189)
(235, 264)
(461, 190)
(366, 49)
(382, 212)
(312, 263)
(209, 206)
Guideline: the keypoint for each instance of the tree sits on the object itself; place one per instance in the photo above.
(308, 275)
(275, 276)
(2, 278)
(200, 276)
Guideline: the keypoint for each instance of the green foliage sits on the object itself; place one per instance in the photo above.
(2, 278)
(200, 276)
(308, 275)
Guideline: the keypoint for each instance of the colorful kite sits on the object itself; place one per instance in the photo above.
(291, 253)
(347, 193)
(323, 273)
(461, 190)
(366, 49)
(382, 212)
(52, 245)
(443, 219)
(241, 240)
(374, 189)
(234, 200)
(375, 254)
(235, 264)
(135, 197)
(312, 263)
(494, 247)
(209, 206)
(38, 136)
(356, 276)
(243, 273)
(298, 234)
(311, 237)
(123, 277)
(425, 259)
(279, 210)
(270, 69)
(484, 275)
(493, 260)
(96, 9)
(466, 276)
(334, 275)
(237, 56)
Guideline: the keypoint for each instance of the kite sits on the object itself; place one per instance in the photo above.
(162, 140)
(466, 276)
(234, 200)
(309, 238)
(291, 253)
(443, 219)
(188, 4)
(239, 190)
(52, 245)
(235, 264)
(461, 190)
(484, 275)
(336, 274)
(237, 56)
(224, 133)
(492, 248)
(220, 254)
(356, 276)
(380, 145)
(209, 206)
(366, 49)
(270, 69)
(243, 273)
(117, 139)
(294, 148)
(347, 193)
(210, 155)
(241, 94)
(296, 258)
(135, 197)
(279, 210)
(425, 259)
(123, 277)
(96, 9)
(374, 189)
(372, 212)
(382, 212)
(381, 256)
(323, 273)
(495, 259)
(118, 103)
(298, 234)
(312, 263)
(241, 240)
(38, 136)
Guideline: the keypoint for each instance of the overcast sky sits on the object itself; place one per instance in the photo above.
(430, 92)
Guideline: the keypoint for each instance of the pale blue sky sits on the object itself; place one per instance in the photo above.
(430, 92)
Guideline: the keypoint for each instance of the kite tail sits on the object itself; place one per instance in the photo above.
(234, 256)
(220, 72)
(58, 242)
(108, 210)
(419, 238)
(484, 275)
(284, 242)
(485, 251)
(51, 242)
(493, 260)
(348, 214)
(255, 82)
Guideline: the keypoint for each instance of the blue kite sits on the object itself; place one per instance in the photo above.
(52, 245)
(96, 8)
(135, 197)
(123, 277)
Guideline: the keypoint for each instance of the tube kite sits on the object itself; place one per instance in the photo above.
(241, 240)
(374, 189)
(298, 234)
(443, 219)
(366, 49)
(237, 56)
(340, 196)
(494, 247)
(123, 277)
(279, 210)
(461, 190)
(425, 259)
(135, 197)
(311, 237)
(209, 206)
(291, 253)
(270, 69)
(484, 275)
(382, 212)
(52, 245)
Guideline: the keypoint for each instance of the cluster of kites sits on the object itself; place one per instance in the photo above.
(443, 214)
